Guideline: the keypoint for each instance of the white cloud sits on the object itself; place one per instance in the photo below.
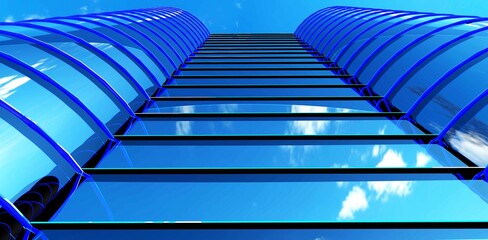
(227, 108)
(184, 127)
(34, 16)
(472, 146)
(83, 9)
(382, 130)
(9, 18)
(376, 150)
(355, 201)
(385, 189)
(392, 159)
(307, 127)
(422, 159)
(11, 84)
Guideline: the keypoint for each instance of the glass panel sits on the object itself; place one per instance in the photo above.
(277, 197)
(286, 72)
(78, 84)
(250, 106)
(471, 138)
(258, 92)
(257, 55)
(160, 126)
(241, 50)
(23, 164)
(136, 50)
(207, 81)
(266, 65)
(434, 69)
(260, 59)
(106, 47)
(322, 154)
(34, 101)
(271, 234)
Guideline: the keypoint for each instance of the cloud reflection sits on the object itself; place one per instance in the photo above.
(472, 146)
(184, 127)
(355, 201)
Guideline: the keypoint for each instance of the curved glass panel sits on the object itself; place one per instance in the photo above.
(43, 107)
(77, 83)
(313, 91)
(133, 48)
(435, 68)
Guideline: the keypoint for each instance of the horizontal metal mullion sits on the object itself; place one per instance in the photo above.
(254, 45)
(268, 86)
(276, 62)
(254, 225)
(252, 57)
(259, 69)
(269, 39)
(258, 76)
(420, 137)
(355, 115)
(466, 172)
(255, 53)
(287, 98)
(251, 48)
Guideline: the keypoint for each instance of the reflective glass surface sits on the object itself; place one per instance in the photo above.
(161, 126)
(236, 105)
(313, 91)
(322, 154)
(273, 234)
(247, 108)
(289, 72)
(257, 81)
(278, 197)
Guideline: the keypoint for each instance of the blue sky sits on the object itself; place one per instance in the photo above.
(227, 16)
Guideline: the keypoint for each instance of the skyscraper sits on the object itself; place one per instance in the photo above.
(364, 123)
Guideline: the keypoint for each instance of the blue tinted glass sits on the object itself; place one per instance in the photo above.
(250, 108)
(258, 73)
(161, 126)
(290, 106)
(279, 197)
(434, 69)
(78, 84)
(266, 65)
(34, 101)
(257, 81)
(258, 92)
(272, 234)
(19, 172)
(323, 154)
(260, 59)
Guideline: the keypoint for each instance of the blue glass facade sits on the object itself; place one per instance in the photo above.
(364, 123)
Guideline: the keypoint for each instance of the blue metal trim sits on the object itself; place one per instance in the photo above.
(313, 23)
(353, 29)
(162, 23)
(305, 22)
(145, 36)
(130, 38)
(344, 49)
(60, 92)
(119, 46)
(105, 57)
(371, 39)
(180, 20)
(171, 28)
(204, 29)
(44, 136)
(394, 89)
(15, 213)
(190, 21)
(346, 17)
(461, 115)
(440, 84)
(398, 35)
(80, 66)
(194, 26)
(322, 22)
(318, 16)
(135, 15)
(150, 54)
(399, 53)
(191, 39)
